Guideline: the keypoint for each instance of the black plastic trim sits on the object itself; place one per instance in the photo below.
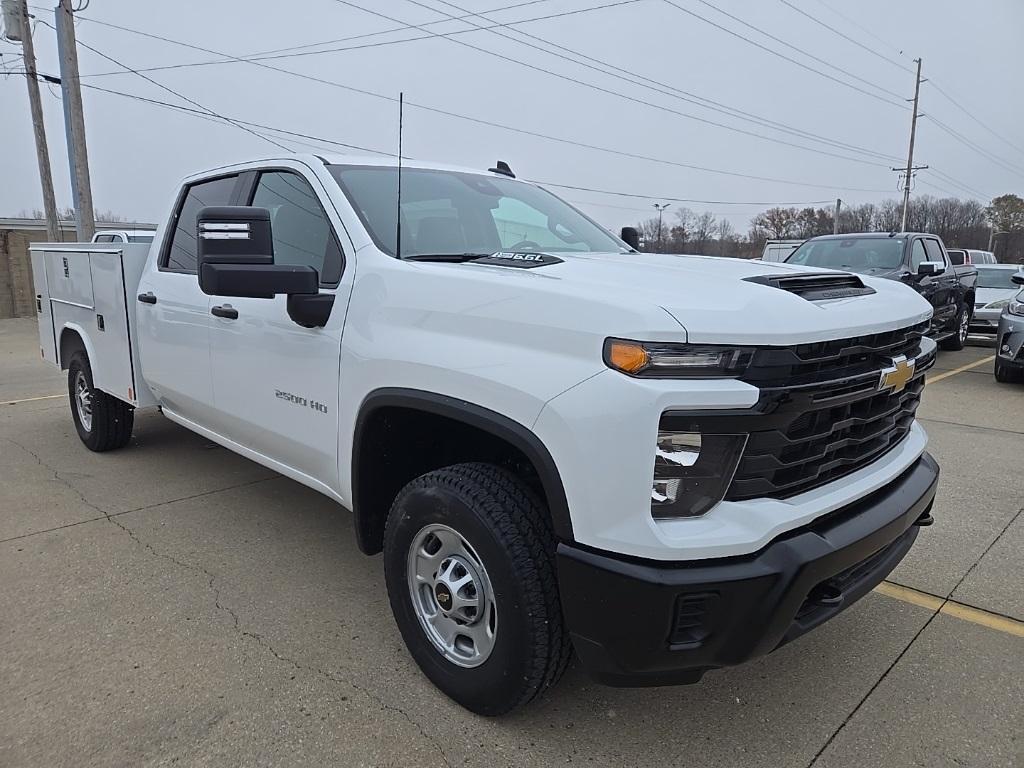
(623, 614)
(476, 416)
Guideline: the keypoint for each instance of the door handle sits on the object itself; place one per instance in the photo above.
(225, 311)
(147, 298)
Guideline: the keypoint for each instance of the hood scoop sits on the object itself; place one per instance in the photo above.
(816, 286)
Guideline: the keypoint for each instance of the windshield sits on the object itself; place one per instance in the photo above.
(995, 278)
(140, 238)
(865, 254)
(447, 212)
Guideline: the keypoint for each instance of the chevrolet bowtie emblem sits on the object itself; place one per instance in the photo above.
(896, 376)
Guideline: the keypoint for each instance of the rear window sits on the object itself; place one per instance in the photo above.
(140, 238)
(989, 277)
(863, 254)
(956, 257)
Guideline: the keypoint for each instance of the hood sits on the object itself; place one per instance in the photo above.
(717, 301)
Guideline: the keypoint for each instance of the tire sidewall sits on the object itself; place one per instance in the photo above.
(496, 685)
(80, 363)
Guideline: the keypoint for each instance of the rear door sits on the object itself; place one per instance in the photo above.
(947, 285)
(174, 315)
(276, 383)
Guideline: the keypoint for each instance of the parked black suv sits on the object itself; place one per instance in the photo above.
(917, 259)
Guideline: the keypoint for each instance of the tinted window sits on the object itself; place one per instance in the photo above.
(917, 255)
(181, 256)
(956, 257)
(934, 251)
(104, 238)
(140, 238)
(302, 232)
(993, 277)
(861, 254)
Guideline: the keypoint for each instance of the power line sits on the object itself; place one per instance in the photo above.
(489, 123)
(228, 59)
(323, 140)
(608, 91)
(399, 29)
(665, 197)
(971, 115)
(781, 55)
(957, 183)
(1006, 165)
(634, 78)
(862, 28)
(845, 36)
(175, 93)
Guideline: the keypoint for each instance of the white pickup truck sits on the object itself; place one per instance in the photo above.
(667, 464)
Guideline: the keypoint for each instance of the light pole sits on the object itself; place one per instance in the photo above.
(661, 209)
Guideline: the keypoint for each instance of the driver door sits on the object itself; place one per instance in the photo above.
(275, 382)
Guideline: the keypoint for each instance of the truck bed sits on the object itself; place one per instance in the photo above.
(89, 289)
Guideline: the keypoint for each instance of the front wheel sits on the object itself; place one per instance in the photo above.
(963, 322)
(469, 564)
(1005, 373)
(103, 422)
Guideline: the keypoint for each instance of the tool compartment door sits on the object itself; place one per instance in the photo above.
(113, 370)
(44, 312)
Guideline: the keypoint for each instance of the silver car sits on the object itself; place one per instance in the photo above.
(994, 292)
(1010, 338)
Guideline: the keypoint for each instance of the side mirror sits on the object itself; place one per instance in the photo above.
(631, 237)
(1017, 277)
(235, 254)
(930, 268)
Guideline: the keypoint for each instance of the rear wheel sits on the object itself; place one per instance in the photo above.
(103, 422)
(959, 337)
(469, 564)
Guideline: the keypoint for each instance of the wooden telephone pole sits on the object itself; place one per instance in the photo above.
(908, 172)
(74, 121)
(23, 31)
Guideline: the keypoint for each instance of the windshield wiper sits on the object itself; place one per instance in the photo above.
(455, 258)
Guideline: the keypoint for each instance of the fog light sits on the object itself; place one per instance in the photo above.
(692, 471)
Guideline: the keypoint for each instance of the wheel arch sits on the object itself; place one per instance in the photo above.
(72, 339)
(371, 500)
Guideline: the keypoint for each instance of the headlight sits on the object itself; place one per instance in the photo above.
(692, 471)
(1016, 305)
(675, 361)
(997, 304)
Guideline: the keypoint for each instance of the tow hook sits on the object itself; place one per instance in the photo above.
(826, 594)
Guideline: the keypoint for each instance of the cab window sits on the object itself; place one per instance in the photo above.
(181, 254)
(934, 251)
(303, 235)
(917, 255)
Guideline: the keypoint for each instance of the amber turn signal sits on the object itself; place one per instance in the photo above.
(628, 357)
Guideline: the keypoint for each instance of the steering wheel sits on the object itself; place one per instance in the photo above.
(528, 245)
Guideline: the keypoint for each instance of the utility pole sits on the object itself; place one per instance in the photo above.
(661, 209)
(23, 31)
(835, 218)
(74, 121)
(908, 172)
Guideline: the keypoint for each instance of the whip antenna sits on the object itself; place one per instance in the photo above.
(398, 217)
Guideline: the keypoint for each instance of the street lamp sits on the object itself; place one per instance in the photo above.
(661, 209)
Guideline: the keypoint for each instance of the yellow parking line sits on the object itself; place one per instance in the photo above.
(952, 608)
(961, 369)
(31, 399)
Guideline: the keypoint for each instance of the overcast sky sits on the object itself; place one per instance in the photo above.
(649, 50)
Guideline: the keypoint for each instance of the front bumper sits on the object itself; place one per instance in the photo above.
(643, 622)
(1010, 339)
(984, 321)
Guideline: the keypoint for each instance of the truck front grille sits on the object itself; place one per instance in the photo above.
(830, 417)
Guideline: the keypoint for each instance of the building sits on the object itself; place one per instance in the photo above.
(17, 295)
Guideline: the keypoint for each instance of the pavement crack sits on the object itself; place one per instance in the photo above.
(211, 583)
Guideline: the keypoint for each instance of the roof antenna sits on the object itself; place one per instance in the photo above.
(398, 217)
